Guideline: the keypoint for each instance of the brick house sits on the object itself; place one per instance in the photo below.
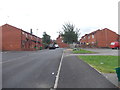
(15, 39)
(60, 42)
(0, 38)
(99, 38)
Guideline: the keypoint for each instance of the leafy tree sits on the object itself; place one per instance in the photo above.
(46, 39)
(70, 33)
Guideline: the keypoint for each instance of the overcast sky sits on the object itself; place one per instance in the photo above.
(50, 15)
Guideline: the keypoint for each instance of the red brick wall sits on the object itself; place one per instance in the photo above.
(91, 38)
(84, 39)
(0, 38)
(11, 38)
(16, 39)
(105, 37)
(60, 43)
(40, 44)
(28, 41)
(102, 38)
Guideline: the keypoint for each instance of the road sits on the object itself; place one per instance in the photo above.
(39, 69)
(30, 69)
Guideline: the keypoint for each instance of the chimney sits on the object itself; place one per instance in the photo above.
(31, 31)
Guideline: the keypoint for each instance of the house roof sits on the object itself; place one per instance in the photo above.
(96, 32)
(19, 29)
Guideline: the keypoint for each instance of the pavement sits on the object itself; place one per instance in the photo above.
(77, 74)
(49, 68)
(112, 77)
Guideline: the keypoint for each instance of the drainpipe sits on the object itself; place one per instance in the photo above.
(21, 39)
(106, 38)
(95, 35)
(37, 39)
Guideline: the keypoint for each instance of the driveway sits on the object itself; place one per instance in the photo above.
(105, 51)
(113, 52)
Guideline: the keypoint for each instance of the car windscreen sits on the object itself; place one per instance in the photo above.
(112, 43)
(51, 45)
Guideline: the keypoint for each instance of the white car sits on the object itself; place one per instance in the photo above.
(56, 46)
(52, 46)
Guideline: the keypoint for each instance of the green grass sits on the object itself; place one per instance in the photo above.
(105, 64)
(82, 51)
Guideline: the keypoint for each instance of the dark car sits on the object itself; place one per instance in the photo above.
(51, 46)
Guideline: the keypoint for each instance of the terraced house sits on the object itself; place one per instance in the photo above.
(99, 38)
(61, 44)
(15, 39)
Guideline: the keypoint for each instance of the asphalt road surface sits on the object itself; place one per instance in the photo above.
(77, 74)
(39, 69)
(30, 69)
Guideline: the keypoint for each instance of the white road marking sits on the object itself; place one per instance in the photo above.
(94, 68)
(58, 72)
(53, 73)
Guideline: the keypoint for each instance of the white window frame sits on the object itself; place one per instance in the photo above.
(92, 36)
(26, 35)
(23, 33)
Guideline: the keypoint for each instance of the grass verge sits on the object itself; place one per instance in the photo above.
(105, 64)
(82, 51)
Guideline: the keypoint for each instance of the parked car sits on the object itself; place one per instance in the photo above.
(115, 45)
(51, 46)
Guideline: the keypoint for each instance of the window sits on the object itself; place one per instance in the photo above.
(23, 33)
(92, 36)
(26, 35)
(23, 44)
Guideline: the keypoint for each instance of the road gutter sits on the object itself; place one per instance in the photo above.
(103, 75)
(58, 73)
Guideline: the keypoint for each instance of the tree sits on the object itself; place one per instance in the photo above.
(46, 39)
(70, 34)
